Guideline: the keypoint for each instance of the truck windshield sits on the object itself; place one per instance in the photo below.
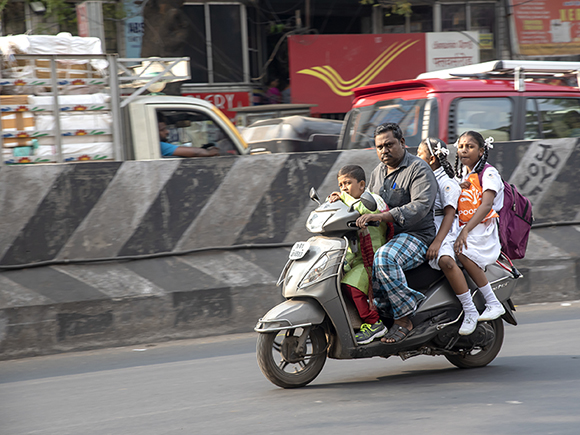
(189, 128)
(363, 121)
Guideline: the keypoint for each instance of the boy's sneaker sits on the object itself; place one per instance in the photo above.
(368, 332)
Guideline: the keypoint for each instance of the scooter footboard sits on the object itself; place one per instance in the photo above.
(293, 313)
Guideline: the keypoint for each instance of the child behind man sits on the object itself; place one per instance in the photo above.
(441, 254)
(355, 283)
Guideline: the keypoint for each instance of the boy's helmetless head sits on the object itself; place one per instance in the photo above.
(352, 180)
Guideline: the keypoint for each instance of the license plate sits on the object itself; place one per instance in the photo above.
(299, 250)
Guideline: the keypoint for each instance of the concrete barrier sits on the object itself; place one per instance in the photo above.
(63, 308)
(114, 210)
(108, 210)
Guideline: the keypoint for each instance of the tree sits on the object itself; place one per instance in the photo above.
(166, 33)
(166, 28)
(398, 7)
(60, 16)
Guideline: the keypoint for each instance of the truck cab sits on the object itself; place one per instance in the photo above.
(508, 100)
(192, 122)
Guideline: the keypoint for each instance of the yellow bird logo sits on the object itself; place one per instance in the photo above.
(343, 87)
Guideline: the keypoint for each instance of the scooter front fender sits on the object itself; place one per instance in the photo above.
(293, 313)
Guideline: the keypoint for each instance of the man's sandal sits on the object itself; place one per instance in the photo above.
(396, 333)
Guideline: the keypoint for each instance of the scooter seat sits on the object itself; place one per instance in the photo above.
(422, 277)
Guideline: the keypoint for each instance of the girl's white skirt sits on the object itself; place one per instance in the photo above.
(483, 246)
(447, 245)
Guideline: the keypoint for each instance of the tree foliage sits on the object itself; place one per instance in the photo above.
(64, 13)
(397, 7)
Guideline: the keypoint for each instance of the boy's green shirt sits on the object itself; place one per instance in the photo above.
(355, 273)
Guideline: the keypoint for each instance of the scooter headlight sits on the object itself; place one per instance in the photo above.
(315, 273)
(325, 267)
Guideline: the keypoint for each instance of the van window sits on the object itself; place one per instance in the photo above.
(488, 116)
(552, 118)
(195, 129)
(363, 121)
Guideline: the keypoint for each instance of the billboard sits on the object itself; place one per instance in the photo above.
(325, 69)
(546, 27)
(451, 49)
(134, 28)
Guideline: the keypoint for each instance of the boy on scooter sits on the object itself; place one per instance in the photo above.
(355, 283)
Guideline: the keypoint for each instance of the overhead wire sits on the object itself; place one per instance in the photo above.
(277, 47)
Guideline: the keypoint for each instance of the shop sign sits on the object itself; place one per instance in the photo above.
(547, 27)
(325, 69)
(225, 101)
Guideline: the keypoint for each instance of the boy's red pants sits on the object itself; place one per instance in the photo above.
(361, 304)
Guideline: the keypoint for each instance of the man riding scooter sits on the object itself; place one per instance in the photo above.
(409, 188)
(314, 321)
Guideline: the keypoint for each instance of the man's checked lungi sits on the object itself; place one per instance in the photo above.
(392, 296)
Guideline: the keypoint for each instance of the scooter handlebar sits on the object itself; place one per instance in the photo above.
(369, 224)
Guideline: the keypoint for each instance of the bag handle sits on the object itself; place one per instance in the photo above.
(512, 269)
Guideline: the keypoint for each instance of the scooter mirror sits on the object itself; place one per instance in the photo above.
(314, 195)
(368, 201)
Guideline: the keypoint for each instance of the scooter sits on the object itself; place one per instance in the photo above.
(316, 321)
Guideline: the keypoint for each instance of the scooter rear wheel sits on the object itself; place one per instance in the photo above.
(283, 365)
(481, 357)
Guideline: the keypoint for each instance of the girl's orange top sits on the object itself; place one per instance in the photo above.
(470, 200)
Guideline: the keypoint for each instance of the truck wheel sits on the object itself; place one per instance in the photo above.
(283, 364)
(482, 356)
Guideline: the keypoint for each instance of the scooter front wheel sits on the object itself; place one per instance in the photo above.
(284, 364)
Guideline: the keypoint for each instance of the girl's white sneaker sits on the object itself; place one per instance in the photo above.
(469, 324)
(492, 312)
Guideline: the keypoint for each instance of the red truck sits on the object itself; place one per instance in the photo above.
(509, 100)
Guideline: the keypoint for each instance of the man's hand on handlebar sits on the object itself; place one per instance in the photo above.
(363, 221)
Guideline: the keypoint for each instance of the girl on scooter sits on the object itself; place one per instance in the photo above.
(478, 244)
(441, 254)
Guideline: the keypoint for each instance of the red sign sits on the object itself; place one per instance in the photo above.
(82, 19)
(225, 101)
(547, 27)
(324, 69)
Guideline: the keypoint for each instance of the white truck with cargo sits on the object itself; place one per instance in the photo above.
(59, 108)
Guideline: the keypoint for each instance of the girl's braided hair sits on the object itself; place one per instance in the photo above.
(439, 149)
(485, 144)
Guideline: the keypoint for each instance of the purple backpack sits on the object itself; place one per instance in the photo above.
(515, 220)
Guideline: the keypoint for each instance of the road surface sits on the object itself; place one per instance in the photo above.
(214, 386)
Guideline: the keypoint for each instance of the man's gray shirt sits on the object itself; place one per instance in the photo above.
(410, 193)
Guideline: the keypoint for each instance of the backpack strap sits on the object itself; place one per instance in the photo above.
(480, 175)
